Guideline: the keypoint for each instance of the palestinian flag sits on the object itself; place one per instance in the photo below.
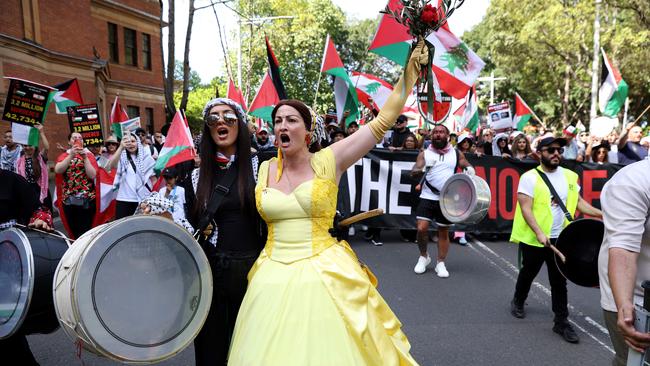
(178, 147)
(523, 113)
(613, 90)
(345, 96)
(25, 134)
(274, 70)
(265, 100)
(118, 116)
(105, 210)
(235, 94)
(68, 95)
(470, 115)
(120, 129)
(392, 39)
(459, 113)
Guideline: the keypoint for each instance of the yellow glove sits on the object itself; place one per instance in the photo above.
(395, 103)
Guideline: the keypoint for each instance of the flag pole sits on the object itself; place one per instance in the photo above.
(641, 115)
(320, 72)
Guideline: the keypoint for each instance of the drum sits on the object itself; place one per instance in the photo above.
(580, 243)
(465, 199)
(136, 290)
(28, 260)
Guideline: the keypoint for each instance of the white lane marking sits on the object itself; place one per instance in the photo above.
(542, 288)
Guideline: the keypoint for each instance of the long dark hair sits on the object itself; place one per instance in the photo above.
(304, 112)
(208, 167)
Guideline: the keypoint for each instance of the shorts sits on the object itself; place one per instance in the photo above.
(429, 210)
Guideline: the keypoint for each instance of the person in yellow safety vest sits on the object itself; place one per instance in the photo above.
(539, 219)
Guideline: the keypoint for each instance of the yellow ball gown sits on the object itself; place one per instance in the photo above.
(309, 300)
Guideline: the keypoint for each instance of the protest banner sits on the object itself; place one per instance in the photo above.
(499, 116)
(26, 102)
(84, 119)
(382, 179)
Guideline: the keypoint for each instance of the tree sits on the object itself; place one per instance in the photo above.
(186, 57)
(197, 97)
(194, 80)
(169, 76)
(544, 48)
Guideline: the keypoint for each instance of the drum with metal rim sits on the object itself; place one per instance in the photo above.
(465, 199)
(28, 260)
(136, 290)
(580, 243)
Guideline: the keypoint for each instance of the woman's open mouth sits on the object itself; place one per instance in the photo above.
(222, 132)
(285, 140)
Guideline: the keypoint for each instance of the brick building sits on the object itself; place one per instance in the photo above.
(112, 47)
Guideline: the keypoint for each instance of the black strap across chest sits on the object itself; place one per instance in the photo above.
(567, 214)
(220, 192)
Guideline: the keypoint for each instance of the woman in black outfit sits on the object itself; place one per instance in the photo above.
(235, 237)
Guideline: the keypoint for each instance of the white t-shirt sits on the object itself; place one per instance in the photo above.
(177, 196)
(625, 202)
(558, 180)
(132, 188)
(440, 169)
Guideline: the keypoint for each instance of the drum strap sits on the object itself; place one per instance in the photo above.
(220, 192)
(567, 214)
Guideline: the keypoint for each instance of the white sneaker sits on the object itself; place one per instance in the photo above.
(462, 241)
(376, 243)
(351, 231)
(422, 264)
(441, 270)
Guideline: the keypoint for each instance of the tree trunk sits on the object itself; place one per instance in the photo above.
(171, 63)
(566, 96)
(186, 58)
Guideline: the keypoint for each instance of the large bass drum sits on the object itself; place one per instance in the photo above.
(465, 199)
(136, 290)
(28, 260)
(580, 243)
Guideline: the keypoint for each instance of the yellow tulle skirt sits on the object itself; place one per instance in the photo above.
(321, 310)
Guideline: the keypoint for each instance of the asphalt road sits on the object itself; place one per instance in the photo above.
(461, 320)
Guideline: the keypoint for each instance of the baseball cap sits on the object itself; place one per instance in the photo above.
(550, 140)
(169, 172)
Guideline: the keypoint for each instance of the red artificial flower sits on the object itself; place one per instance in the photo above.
(429, 14)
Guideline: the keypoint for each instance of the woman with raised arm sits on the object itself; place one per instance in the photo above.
(309, 299)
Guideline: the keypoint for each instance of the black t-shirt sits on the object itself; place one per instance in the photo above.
(18, 198)
(399, 137)
(238, 229)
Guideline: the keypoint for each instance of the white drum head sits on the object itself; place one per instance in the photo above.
(16, 280)
(143, 289)
(465, 199)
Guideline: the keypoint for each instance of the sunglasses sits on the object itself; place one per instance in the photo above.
(213, 119)
(553, 150)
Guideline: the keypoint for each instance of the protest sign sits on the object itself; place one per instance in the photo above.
(84, 119)
(499, 116)
(26, 102)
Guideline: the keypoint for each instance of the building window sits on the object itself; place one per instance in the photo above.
(148, 112)
(133, 111)
(130, 47)
(146, 51)
(113, 51)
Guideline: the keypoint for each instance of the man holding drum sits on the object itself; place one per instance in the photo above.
(434, 165)
(539, 219)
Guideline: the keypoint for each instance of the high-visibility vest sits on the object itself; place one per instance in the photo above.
(521, 232)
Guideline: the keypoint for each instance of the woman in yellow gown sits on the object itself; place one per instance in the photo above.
(309, 301)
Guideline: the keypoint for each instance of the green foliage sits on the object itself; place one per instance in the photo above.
(194, 81)
(298, 44)
(545, 50)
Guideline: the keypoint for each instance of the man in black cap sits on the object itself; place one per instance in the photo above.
(539, 219)
(400, 133)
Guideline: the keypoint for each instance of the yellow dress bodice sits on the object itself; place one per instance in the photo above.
(298, 222)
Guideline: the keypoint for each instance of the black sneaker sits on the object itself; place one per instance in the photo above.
(566, 331)
(517, 310)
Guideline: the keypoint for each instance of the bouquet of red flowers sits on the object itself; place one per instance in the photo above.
(422, 18)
